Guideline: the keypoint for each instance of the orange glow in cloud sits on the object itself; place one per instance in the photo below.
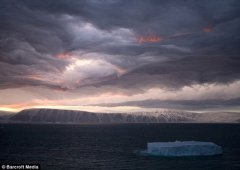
(153, 38)
(73, 104)
(32, 104)
(15, 107)
(148, 39)
(207, 29)
(63, 56)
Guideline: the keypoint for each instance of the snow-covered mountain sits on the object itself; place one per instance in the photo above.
(5, 116)
(82, 117)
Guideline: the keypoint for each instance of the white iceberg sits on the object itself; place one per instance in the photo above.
(183, 148)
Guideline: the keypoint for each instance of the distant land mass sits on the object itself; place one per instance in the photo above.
(5, 116)
(82, 117)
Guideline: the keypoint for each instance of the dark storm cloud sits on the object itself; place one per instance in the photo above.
(180, 104)
(153, 15)
(182, 72)
(199, 40)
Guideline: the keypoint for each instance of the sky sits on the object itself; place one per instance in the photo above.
(120, 55)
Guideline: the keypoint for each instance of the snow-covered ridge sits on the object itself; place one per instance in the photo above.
(71, 116)
(82, 117)
(4, 115)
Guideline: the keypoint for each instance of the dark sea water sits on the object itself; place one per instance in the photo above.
(114, 146)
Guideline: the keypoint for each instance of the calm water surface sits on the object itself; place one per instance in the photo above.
(114, 146)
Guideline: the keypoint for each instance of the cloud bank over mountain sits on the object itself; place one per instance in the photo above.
(87, 52)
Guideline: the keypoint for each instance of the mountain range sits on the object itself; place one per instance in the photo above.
(83, 117)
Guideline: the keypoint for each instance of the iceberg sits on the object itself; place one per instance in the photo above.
(183, 148)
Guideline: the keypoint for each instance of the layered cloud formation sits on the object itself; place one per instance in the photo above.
(74, 53)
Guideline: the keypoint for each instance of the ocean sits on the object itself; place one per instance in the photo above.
(115, 146)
